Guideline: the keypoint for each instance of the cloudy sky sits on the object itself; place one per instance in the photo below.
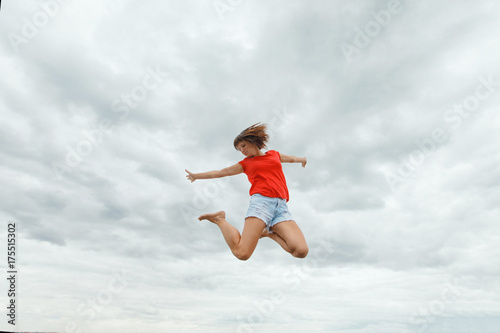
(103, 104)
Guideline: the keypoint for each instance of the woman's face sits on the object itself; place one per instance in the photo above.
(248, 149)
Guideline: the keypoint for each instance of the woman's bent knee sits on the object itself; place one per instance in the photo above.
(242, 254)
(300, 252)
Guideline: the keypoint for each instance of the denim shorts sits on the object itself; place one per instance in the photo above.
(269, 210)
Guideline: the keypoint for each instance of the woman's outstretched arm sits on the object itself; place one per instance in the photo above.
(293, 159)
(229, 171)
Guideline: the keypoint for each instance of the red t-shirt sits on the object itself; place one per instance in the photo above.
(265, 173)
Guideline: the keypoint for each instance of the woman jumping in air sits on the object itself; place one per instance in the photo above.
(268, 214)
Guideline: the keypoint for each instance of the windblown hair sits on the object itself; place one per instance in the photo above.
(255, 134)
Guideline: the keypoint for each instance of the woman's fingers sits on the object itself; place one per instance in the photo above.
(189, 176)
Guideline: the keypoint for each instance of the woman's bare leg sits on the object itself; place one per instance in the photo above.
(242, 246)
(291, 238)
(277, 238)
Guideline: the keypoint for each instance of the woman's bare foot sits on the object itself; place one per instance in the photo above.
(213, 217)
(265, 233)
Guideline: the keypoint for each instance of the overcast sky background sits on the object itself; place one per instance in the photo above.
(399, 201)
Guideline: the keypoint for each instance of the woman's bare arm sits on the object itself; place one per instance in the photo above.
(293, 159)
(229, 171)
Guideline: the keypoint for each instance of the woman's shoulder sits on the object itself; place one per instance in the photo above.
(274, 153)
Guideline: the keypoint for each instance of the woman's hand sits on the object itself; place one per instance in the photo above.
(303, 161)
(190, 176)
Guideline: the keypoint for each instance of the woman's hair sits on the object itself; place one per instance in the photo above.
(255, 134)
